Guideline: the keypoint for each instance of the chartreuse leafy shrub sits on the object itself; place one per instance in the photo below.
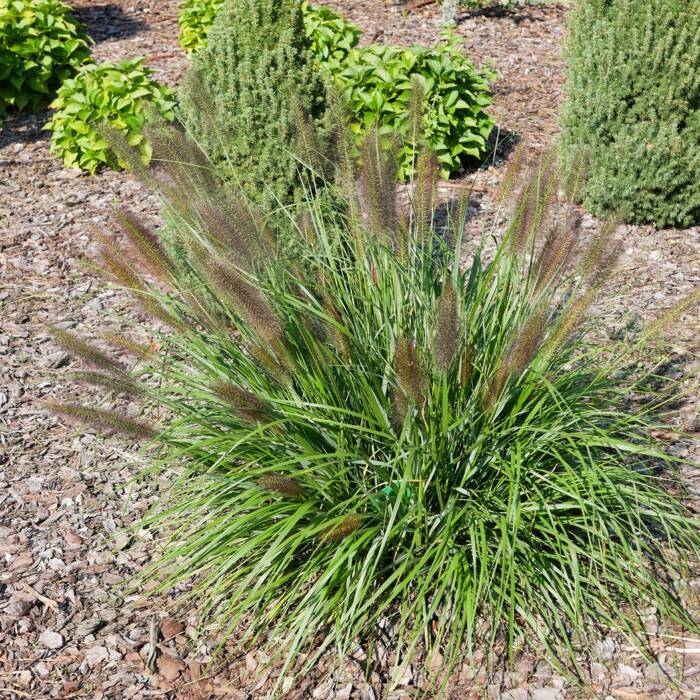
(40, 46)
(633, 108)
(195, 20)
(243, 90)
(115, 95)
(370, 441)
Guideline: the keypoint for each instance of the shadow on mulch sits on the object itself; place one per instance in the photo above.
(108, 21)
(514, 14)
(23, 128)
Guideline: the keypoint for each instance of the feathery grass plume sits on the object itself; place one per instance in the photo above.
(281, 484)
(513, 175)
(424, 191)
(120, 384)
(557, 250)
(597, 247)
(148, 245)
(346, 527)
(570, 320)
(466, 368)
(85, 351)
(408, 370)
(130, 279)
(667, 319)
(310, 148)
(339, 340)
(229, 232)
(247, 301)
(247, 405)
(107, 420)
(129, 155)
(533, 203)
(377, 187)
(416, 115)
(447, 327)
(139, 350)
(522, 351)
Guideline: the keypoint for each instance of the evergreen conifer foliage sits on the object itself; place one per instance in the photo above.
(244, 89)
(633, 108)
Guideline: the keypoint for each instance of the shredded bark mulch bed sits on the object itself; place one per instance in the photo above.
(68, 626)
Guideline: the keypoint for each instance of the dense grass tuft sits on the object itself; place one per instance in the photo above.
(367, 438)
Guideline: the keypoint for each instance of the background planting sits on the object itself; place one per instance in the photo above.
(375, 82)
(106, 94)
(40, 46)
(244, 89)
(632, 110)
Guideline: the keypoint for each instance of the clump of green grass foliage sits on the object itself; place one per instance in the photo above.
(633, 108)
(367, 440)
(115, 95)
(40, 46)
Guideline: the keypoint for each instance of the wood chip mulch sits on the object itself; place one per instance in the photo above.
(69, 628)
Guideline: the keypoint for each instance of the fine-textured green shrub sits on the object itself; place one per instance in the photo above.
(244, 88)
(633, 108)
(377, 81)
(116, 95)
(369, 442)
(40, 46)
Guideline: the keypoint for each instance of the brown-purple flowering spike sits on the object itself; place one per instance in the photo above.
(281, 484)
(85, 351)
(343, 529)
(121, 384)
(107, 420)
(424, 191)
(557, 250)
(408, 371)
(248, 301)
(378, 187)
(597, 247)
(246, 404)
(146, 242)
(447, 330)
(523, 349)
(140, 350)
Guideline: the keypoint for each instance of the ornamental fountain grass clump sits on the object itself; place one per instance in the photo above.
(367, 440)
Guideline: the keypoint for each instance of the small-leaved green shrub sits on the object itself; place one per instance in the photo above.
(114, 95)
(243, 90)
(632, 108)
(369, 442)
(377, 82)
(40, 46)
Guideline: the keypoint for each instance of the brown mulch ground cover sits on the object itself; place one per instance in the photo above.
(67, 628)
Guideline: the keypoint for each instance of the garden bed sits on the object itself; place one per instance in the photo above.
(66, 628)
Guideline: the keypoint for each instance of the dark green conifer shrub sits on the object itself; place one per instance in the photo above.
(372, 443)
(633, 108)
(244, 89)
